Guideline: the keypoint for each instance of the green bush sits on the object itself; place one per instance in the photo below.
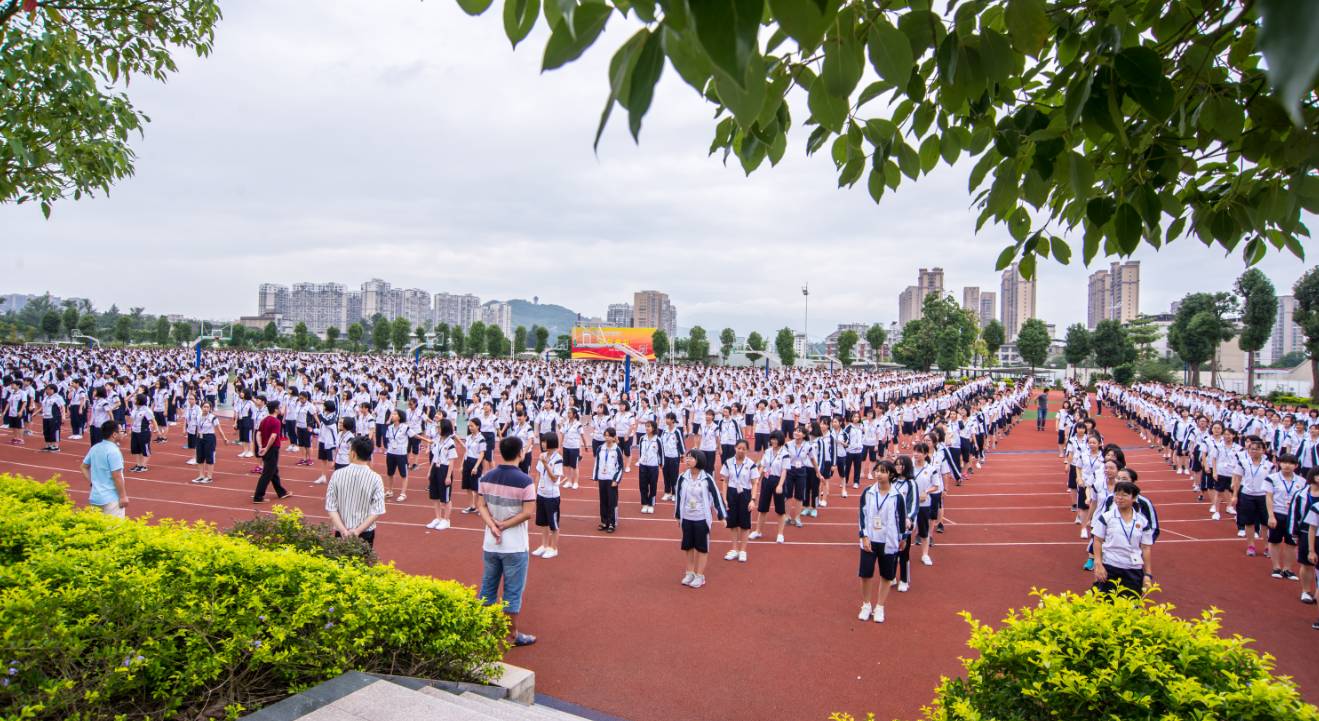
(1082, 658)
(105, 618)
(1124, 374)
(1282, 398)
(50, 493)
(288, 529)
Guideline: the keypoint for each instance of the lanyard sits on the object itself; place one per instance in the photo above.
(1125, 531)
(737, 471)
(879, 505)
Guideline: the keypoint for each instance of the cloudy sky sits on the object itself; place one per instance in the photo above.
(407, 141)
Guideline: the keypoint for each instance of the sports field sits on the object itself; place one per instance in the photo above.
(778, 637)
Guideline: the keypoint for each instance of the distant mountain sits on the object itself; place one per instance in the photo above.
(557, 319)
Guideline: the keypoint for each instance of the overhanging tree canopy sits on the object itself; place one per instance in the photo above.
(1113, 121)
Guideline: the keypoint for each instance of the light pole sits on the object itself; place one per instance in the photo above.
(805, 321)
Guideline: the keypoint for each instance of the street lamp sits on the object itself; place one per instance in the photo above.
(805, 322)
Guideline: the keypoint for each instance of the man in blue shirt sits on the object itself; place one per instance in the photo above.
(103, 467)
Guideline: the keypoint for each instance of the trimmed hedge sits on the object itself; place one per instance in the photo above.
(103, 618)
(1089, 657)
(286, 528)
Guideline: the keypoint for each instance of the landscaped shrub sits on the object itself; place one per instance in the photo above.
(101, 617)
(1090, 657)
(1282, 398)
(286, 528)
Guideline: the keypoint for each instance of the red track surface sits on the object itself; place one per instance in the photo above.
(778, 637)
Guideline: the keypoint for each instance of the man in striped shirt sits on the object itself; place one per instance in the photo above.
(355, 498)
(506, 500)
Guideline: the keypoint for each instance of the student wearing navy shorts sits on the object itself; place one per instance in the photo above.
(882, 520)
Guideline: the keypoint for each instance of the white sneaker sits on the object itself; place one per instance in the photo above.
(76, 437)
(741, 556)
(1231, 511)
(688, 578)
(926, 560)
(319, 481)
(434, 522)
(754, 535)
(823, 504)
(1215, 516)
(879, 614)
(1085, 533)
(650, 510)
(866, 610)
(190, 462)
(539, 551)
(550, 553)
(730, 556)
(697, 582)
(1306, 597)
(779, 539)
(1241, 533)
(902, 587)
(443, 525)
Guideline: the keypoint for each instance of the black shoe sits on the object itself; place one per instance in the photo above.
(939, 528)
(286, 495)
(469, 510)
(611, 529)
(602, 527)
(1315, 625)
(258, 500)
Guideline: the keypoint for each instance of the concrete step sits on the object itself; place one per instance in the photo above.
(514, 711)
(385, 701)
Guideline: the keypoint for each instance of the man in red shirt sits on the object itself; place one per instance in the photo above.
(267, 448)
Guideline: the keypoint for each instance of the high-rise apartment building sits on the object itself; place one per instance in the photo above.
(909, 307)
(319, 305)
(377, 298)
(971, 299)
(417, 307)
(352, 307)
(911, 301)
(1114, 294)
(458, 311)
(652, 309)
(1287, 336)
(272, 299)
(500, 314)
(988, 307)
(1018, 299)
(619, 315)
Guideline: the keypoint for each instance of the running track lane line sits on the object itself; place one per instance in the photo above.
(194, 504)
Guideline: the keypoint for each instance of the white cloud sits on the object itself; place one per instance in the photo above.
(407, 141)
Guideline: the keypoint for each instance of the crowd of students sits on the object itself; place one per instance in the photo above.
(1252, 461)
(761, 451)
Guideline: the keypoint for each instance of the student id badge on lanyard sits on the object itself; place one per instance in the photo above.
(1127, 532)
(878, 522)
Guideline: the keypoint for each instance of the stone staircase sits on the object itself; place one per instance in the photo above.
(357, 696)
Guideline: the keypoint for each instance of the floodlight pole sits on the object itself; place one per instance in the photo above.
(805, 321)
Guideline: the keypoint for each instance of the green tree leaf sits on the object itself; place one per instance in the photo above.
(844, 58)
(474, 7)
(1288, 36)
(519, 18)
(804, 22)
(727, 30)
(1028, 25)
(890, 53)
(687, 56)
(1127, 227)
(644, 75)
(828, 110)
(565, 44)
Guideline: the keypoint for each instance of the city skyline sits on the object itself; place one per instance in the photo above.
(233, 187)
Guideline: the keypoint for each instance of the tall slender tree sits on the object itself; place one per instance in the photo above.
(1306, 315)
(1259, 311)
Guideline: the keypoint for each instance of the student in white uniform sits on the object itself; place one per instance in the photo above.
(1123, 540)
(549, 477)
(1250, 492)
(208, 426)
(740, 475)
(648, 466)
(607, 474)
(697, 498)
(474, 451)
(774, 465)
(52, 418)
(882, 519)
(398, 436)
(439, 481)
(572, 447)
(1284, 486)
(929, 490)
